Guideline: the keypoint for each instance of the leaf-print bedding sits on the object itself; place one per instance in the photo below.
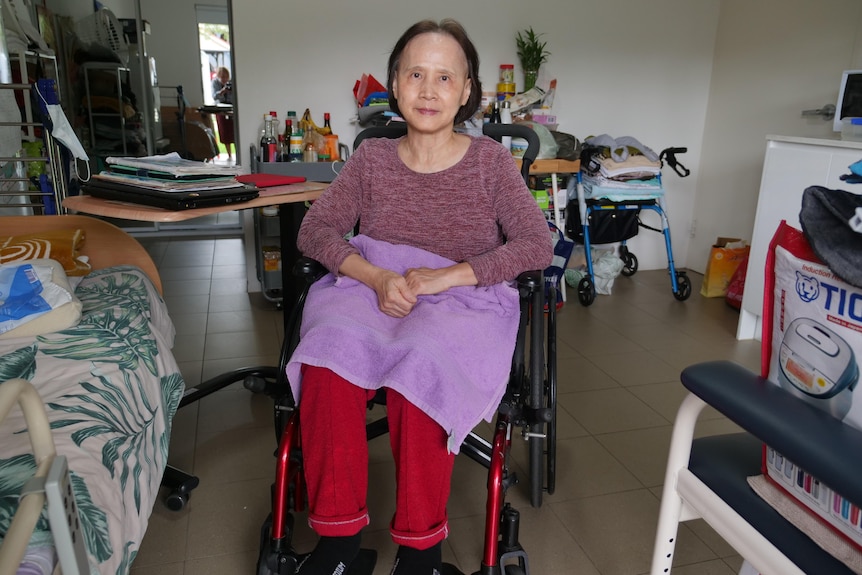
(111, 387)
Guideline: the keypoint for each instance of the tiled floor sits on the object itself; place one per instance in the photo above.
(619, 362)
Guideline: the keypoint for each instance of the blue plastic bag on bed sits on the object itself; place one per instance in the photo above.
(19, 296)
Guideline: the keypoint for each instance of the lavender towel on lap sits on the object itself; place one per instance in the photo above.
(450, 356)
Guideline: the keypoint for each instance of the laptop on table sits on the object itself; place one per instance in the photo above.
(170, 199)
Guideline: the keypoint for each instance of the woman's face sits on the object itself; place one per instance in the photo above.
(224, 76)
(431, 82)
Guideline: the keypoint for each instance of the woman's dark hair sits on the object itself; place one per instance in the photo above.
(456, 31)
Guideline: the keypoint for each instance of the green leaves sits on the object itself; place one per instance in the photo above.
(20, 363)
(119, 414)
(114, 289)
(531, 51)
(120, 336)
(94, 521)
(16, 471)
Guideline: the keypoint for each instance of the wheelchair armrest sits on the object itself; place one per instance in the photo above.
(814, 440)
(531, 280)
(308, 269)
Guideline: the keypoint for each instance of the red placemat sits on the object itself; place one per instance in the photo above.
(269, 180)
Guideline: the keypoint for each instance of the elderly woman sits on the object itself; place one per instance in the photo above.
(421, 302)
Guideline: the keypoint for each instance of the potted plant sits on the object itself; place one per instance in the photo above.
(532, 54)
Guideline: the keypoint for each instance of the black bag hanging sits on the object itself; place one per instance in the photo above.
(606, 226)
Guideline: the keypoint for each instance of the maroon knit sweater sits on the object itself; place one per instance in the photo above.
(478, 211)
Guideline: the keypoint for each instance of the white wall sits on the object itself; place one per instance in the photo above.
(773, 59)
(623, 67)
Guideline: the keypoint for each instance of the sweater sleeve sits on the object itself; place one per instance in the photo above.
(528, 244)
(332, 215)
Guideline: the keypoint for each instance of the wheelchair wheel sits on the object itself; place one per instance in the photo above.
(630, 262)
(586, 291)
(550, 395)
(683, 287)
(551, 439)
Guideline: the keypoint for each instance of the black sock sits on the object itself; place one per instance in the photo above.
(410, 561)
(331, 556)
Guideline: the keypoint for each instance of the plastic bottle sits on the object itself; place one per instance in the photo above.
(332, 147)
(295, 148)
(506, 118)
(268, 144)
(495, 113)
(294, 144)
(291, 115)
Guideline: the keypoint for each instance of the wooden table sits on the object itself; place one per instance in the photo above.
(290, 199)
(556, 167)
(294, 193)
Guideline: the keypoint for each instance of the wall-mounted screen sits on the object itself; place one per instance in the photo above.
(849, 98)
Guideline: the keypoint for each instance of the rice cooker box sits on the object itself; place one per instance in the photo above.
(813, 343)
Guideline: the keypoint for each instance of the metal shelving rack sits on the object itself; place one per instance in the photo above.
(49, 198)
(118, 71)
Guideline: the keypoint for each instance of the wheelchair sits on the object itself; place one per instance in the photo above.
(528, 409)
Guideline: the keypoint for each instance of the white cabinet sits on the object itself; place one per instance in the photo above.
(790, 166)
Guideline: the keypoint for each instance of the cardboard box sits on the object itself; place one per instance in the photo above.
(544, 119)
(724, 257)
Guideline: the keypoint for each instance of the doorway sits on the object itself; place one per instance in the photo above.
(216, 73)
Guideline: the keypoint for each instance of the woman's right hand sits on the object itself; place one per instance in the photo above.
(394, 296)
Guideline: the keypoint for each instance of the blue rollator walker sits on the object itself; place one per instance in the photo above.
(597, 206)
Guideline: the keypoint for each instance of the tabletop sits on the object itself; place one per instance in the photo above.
(553, 166)
(271, 196)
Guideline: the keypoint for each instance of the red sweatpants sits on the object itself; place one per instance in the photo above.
(335, 455)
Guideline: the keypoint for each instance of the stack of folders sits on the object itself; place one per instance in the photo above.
(169, 181)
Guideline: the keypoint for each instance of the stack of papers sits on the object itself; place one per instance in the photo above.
(170, 172)
(170, 182)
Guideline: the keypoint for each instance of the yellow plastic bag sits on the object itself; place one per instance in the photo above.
(724, 257)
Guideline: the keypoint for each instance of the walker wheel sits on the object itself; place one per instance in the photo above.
(630, 263)
(683, 287)
(586, 291)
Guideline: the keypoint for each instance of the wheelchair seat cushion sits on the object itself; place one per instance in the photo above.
(450, 356)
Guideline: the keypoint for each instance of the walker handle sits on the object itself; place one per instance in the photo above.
(669, 155)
